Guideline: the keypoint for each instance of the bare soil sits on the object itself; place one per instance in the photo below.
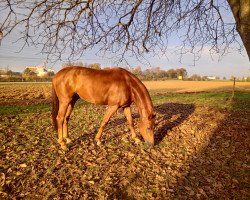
(25, 93)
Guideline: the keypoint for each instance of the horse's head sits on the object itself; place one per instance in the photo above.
(147, 128)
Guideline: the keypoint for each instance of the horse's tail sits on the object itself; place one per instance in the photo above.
(55, 107)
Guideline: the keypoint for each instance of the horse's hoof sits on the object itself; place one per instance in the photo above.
(137, 140)
(98, 142)
(68, 141)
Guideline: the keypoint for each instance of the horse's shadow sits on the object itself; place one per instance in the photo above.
(168, 116)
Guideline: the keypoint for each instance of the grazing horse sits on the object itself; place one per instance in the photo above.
(115, 87)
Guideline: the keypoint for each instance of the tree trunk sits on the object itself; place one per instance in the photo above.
(241, 12)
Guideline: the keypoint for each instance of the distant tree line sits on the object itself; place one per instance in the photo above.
(26, 75)
(150, 74)
(156, 73)
(81, 64)
(153, 73)
(196, 77)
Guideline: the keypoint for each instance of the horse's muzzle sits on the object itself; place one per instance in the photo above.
(149, 144)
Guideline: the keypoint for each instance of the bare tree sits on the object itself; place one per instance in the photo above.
(241, 12)
(127, 27)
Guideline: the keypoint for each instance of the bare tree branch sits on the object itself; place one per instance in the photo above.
(124, 27)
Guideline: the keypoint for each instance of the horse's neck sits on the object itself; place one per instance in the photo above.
(142, 100)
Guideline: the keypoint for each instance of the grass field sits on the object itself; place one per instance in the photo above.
(201, 152)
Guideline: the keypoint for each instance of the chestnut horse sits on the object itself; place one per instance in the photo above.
(115, 87)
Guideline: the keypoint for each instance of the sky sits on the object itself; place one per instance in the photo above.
(233, 63)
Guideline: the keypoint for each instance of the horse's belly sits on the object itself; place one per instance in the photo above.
(95, 99)
(105, 97)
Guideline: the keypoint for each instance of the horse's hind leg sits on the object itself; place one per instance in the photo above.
(65, 124)
(60, 120)
(111, 110)
(66, 119)
(128, 114)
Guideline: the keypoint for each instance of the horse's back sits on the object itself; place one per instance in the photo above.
(104, 86)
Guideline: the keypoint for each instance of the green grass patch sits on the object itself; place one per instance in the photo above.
(241, 102)
(216, 100)
(33, 108)
(22, 109)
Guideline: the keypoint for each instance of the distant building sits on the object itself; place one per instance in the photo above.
(211, 77)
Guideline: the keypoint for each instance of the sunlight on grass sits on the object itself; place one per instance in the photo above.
(215, 100)
(22, 109)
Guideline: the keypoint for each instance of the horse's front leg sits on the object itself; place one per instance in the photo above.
(111, 110)
(128, 114)
(66, 120)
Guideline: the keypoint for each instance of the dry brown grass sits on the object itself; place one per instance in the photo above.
(195, 86)
(201, 152)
